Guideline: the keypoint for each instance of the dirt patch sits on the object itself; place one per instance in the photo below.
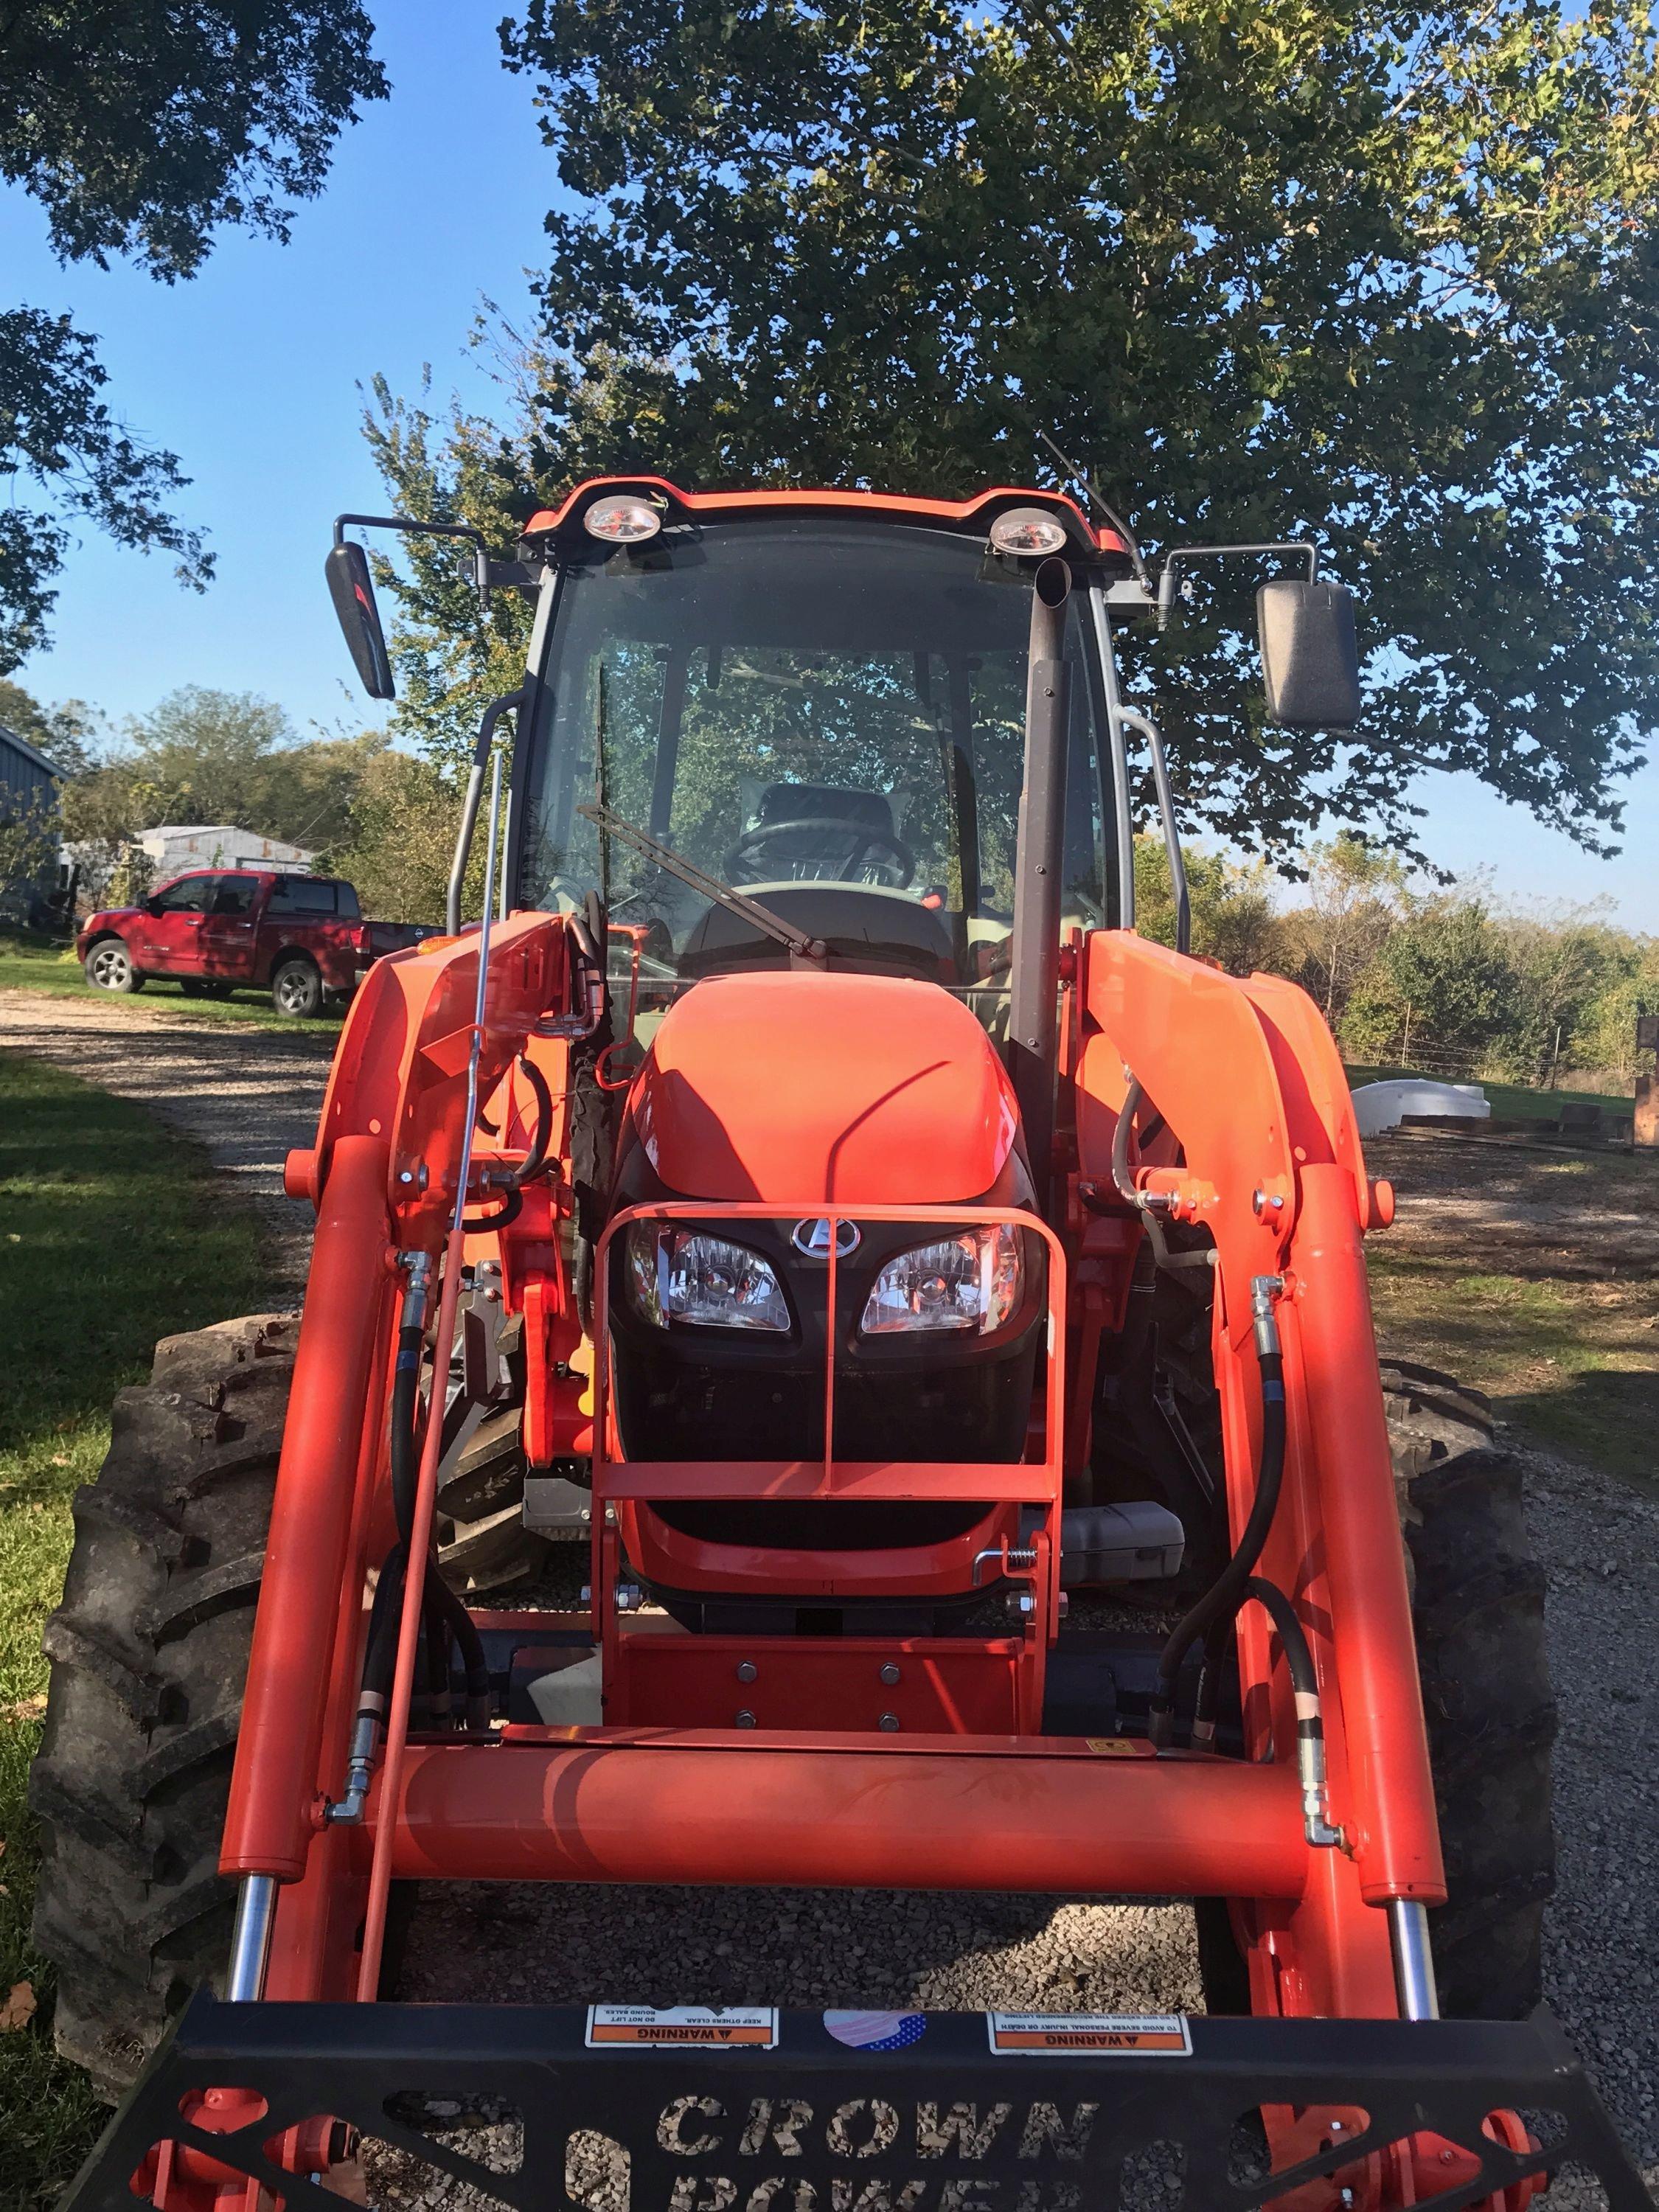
(249, 1096)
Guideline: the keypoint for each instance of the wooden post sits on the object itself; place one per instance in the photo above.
(1645, 1127)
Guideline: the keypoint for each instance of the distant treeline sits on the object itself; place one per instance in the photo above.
(1450, 980)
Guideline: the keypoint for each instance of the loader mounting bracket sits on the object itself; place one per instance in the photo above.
(927, 2113)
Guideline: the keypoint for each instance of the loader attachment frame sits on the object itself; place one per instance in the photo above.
(752, 2110)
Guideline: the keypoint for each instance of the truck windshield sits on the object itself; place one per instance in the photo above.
(828, 715)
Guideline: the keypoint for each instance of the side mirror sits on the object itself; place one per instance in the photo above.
(352, 590)
(1309, 660)
(152, 906)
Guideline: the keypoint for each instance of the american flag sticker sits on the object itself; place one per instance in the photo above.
(1102, 2035)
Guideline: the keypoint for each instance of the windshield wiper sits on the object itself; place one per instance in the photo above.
(804, 951)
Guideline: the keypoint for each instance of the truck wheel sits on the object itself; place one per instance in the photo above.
(1478, 1607)
(148, 1654)
(108, 967)
(297, 990)
(1478, 1610)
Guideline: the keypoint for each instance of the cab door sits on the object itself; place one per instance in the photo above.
(171, 929)
(230, 928)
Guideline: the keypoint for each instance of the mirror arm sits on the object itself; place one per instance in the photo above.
(1131, 718)
(511, 701)
(480, 547)
(1166, 582)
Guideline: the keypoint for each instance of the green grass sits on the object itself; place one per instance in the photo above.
(1546, 1296)
(28, 962)
(112, 1233)
(1509, 1101)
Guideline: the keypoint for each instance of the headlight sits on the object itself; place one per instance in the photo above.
(1028, 530)
(972, 1281)
(681, 1274)
(621, 521)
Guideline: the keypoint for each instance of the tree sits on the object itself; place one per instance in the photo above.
(1233, 921)
(1382, 275)
(1444, 978)
(401, 840)
(1354, 902)
(66, 733)
(207, 756)
(143, 127)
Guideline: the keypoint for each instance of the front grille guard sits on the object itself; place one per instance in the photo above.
(927, 2116)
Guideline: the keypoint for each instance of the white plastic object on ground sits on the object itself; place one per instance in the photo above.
(1380, 1106)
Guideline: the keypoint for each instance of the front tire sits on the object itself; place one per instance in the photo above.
(1477, 1599)
(149, 1653)
(108, 967)
(297, 990)
(1478, 1610)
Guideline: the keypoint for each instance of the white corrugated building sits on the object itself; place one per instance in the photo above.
(175, 847)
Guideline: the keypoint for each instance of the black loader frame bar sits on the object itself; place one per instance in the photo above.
(935, 2118)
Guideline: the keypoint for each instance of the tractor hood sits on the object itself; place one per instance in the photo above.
(808, 1088)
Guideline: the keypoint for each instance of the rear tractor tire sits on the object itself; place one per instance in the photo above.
(108, 967)
(149, 1653)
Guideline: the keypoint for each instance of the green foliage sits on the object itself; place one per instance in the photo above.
(1386, 275)
(1233, 917)
(1356, 897)
(29, 842)
(64, 733)
(1446, 972)
(400, 841)
(447, 664)
(142, 128)
(207, 756)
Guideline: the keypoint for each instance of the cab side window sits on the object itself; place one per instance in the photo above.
(191, 895)
(234, 895)
(300, 895)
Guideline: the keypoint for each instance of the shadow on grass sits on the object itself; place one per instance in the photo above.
(112, 1233)
(1608, 1416)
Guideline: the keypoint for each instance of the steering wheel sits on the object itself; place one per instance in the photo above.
(861, 836)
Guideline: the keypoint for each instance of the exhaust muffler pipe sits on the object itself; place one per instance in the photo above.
(1034, 993)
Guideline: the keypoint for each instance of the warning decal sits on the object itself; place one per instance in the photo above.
(1065, 2034)
(703, 2027)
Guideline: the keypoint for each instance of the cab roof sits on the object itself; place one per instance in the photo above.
(973, 517)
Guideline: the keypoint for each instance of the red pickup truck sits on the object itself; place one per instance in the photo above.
(217, 928)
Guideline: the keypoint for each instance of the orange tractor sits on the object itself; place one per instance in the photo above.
(938, 1315)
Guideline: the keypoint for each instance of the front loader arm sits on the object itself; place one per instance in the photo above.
(382, 1177)
(1246, 1078)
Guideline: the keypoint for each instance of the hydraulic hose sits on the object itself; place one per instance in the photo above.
(1217, 1609)
(1309, 1720)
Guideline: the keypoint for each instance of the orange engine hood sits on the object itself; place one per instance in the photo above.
(806, 1088)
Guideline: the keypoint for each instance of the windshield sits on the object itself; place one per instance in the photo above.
(829, 716)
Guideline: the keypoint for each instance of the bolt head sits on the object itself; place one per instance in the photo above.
(747, 1670)
(743, 1719)
(889, 1674)
(889, 1723)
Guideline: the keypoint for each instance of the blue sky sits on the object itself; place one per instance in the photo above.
(249, 374)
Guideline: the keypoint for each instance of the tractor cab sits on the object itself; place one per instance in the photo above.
(823, 707)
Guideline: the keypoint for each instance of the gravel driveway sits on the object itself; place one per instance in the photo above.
(248, 1095)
